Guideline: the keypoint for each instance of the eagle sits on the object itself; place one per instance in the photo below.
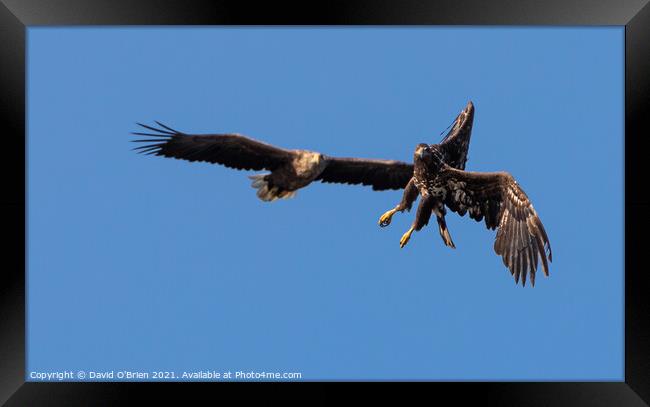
(437, 175)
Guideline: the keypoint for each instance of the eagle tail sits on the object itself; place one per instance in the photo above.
(266, 192)
(444, 232)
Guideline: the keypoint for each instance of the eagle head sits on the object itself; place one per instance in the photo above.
(308, 163)
(429, 155)
(423, 152)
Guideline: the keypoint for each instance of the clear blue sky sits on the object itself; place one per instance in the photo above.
(146, 263)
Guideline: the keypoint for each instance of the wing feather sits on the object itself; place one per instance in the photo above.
(240, 152)
(531, 264)
(232, 150)
(381, 174)
(521, 239)
(455, 144)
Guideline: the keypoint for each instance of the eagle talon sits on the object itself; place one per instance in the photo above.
(436, 175)
(405, 238)
(385, 219)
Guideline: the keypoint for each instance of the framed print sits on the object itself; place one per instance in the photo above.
(140, 252)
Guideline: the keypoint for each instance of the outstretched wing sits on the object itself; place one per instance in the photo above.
(495, 196)
(237, 151)
(456, 143)
(381, 174)
(231, 150)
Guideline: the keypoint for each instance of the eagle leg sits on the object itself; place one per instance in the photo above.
(444, 232)
(409, 196)
(406, 237)
(440, 212)
(421, 218)
(385, 219)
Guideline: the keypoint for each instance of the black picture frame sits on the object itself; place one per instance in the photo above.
(17, 15)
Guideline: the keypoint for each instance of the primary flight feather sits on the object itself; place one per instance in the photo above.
(437, 175)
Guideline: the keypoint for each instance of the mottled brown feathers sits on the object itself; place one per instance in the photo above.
(497, 198)
(455, 145)
(437, 175)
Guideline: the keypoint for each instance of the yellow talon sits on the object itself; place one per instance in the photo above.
(405, 238)
(385, 219)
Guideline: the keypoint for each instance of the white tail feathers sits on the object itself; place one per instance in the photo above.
(269, 194)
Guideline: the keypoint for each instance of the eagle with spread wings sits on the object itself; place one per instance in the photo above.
(437, 175)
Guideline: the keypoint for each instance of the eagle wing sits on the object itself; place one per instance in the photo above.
(381, 174)
(496, 197)
(231, 150)
(240, 152)
(455, 144)
(385, 174)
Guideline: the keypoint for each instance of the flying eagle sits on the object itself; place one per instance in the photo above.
(437, 175)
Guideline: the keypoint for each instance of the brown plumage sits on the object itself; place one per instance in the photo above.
(437, 176)
(498, 199)
(290, 169)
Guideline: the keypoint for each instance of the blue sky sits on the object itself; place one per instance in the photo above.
(145, 263)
